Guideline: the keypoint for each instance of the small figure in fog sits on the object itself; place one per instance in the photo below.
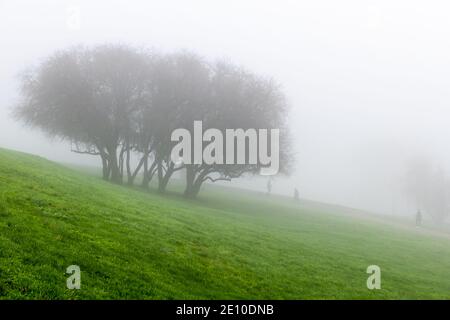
(269, 186)
(418, 218)
(296, 195)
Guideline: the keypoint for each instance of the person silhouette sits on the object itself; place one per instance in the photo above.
(418, 218)
(269, 186)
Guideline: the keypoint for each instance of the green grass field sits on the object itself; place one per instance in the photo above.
(227, 244)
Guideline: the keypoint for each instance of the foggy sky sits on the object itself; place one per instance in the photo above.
(367, 80)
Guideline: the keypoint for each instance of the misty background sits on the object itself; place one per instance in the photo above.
(367, 81)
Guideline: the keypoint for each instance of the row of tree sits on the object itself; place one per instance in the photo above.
(122, 104)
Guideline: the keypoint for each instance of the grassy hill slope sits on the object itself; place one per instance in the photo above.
(132, 244)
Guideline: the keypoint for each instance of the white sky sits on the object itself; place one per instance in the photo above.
(368, 81)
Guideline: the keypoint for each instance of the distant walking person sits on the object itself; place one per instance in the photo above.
(296, 194)
(418, 218)
(269, 186)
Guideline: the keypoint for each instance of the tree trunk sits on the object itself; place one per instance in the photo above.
(165, 177)
(116, 176)
(162, 184)
(148, 174)
(105, 167)
(132, 176)
(194, 180)
(189, 191)
(130, 179)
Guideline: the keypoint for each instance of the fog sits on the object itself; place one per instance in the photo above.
(367, 81)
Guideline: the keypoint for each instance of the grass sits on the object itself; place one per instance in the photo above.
(228, 244)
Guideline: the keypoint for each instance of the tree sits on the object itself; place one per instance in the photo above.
(88, 97)
(235, 99)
